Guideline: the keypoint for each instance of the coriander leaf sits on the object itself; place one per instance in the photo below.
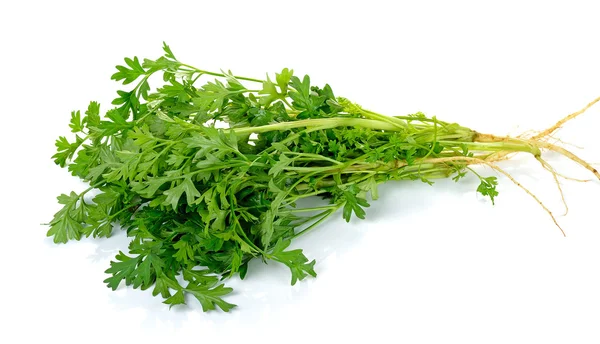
(210, 297)
(283, 162)
(123, 269)
(168, 52)
(266, 228)
(459, 175)
(260, 116)
(283, 79)
(177, 299)
(64, 226)
(185, 251)
(487, 187)
(294, 259)
(371, 185)
(269, 92)
(200, 276)
(232, 82)
(212, 139)
(354, 204)
(116, 124)
(212, 96)
(129, 75)
(303, 99)
(175, 193)
(98, 225)
(77, 123)
(129, 103)
(92, 115)
(162, 285)
(65, 150)
(146, 271)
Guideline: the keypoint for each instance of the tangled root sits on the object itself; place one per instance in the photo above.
(546, 133)
(539, 140)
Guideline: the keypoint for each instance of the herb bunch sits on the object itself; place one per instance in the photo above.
(205, 178)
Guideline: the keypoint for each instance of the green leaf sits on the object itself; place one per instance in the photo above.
(168, 52)
(266, 228)
(65, 226)
(212, 96)
(280, 165)
(354, 204)
(108, 159)
(210, 297)
(200, 276)
(65, 150)
(487, 187)
(295, 260)
(107, 198)
(117, 123)
(162, 285)
(269, 92)
(283, 79)
(129, 103)
(143, 89)
(301, 87)
(260, 117)
(98, 228)
(371, 185)
(64, 229)
(145, 272)
(212, 139)
(140, 271)
(177, 299)
(93, 115)
(236, 261)
(232, 82)
(175, 193)
(129, 75)
(123, 269)
(243, 270)
(410, 156)
(303, 99)
(459, 175)
(185, 252)
(209, 161)
(77, 123)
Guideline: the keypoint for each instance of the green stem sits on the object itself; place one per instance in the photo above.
(513, 145)
(326, 214)
(313, 157)
(244, 237)
(112, 216)
(392, 120)
(322, 123)
(304, 210)
(219, 74)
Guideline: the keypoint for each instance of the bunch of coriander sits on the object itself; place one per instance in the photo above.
(205, 177)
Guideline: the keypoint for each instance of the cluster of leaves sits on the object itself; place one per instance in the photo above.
(200, 202)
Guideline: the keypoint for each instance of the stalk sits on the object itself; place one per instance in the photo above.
(464, 136)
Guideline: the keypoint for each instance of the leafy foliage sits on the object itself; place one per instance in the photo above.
(487, 187)
(200, 202)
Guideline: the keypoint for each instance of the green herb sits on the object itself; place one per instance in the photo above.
(199, 202)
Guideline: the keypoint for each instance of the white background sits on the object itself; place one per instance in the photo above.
(430, 264)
